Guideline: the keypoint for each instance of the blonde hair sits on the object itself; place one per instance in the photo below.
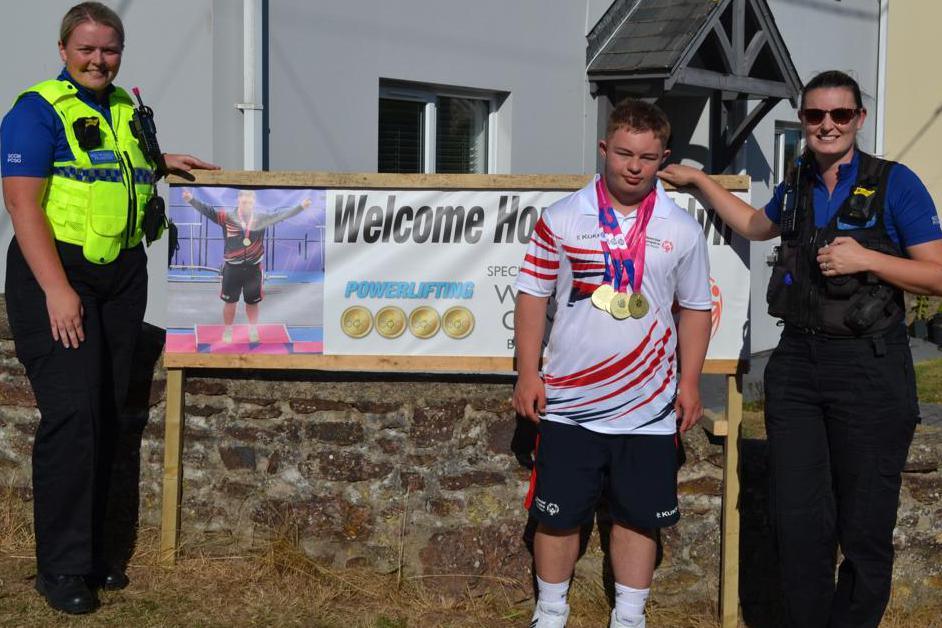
(90, 12)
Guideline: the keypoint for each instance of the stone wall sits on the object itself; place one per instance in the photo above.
(426, 473)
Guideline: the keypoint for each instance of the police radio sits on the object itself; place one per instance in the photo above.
(145, 131)
(791, 202)
(155, 219)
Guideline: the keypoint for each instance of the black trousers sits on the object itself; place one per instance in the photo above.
(79, 393)
(840, 416)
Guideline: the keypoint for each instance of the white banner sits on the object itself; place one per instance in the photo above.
(381, 272)
(432, 272)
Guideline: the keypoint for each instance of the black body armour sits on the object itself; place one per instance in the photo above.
(857, 305)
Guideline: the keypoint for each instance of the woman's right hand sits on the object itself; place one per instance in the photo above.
(65, 316)
(680, 176)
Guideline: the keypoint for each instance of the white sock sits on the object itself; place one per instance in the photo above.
(553, 594)
(629, 603)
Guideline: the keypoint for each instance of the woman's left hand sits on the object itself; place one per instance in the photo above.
(844, 256)
(181, 165)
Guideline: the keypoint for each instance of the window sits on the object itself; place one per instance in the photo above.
(426, 130)
(788, 146)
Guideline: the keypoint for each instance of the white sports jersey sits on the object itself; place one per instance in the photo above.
(609, 375)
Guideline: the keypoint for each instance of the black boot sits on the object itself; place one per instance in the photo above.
(109, 580)
(66, 593)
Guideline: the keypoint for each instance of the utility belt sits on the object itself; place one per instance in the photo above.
(879, 342)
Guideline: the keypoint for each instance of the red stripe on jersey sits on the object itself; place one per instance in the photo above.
(587, 266)
(651, 397)
(583, 287)
(658, 353)
(544, 232)
(542, 263)
(578, 251)
(545, 247)
(533, 273)
(599, 371)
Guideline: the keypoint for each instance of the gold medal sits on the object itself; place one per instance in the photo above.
(602, 297)
(619, 306)
(637, 305)
(356, 321)
(424, 322)
(390, 322)
(246, 241)
(457, 322)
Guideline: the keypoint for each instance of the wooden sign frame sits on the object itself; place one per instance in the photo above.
(176, 363)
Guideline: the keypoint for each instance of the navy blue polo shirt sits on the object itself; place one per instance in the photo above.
(32, 136)
(910, 215)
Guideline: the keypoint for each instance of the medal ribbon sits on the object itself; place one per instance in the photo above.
(247, 229)
(624, 256)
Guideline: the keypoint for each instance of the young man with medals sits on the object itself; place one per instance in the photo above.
(618, 255)
(244, 233)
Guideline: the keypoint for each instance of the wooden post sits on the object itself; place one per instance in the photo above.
(729, 566)
(173, 467)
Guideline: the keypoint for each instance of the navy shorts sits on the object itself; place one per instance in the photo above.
(575, 466)
(241, 279)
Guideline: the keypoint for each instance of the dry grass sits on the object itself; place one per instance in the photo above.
(278, 585)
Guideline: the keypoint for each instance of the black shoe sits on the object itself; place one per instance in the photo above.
(68, 594)
(113, 580)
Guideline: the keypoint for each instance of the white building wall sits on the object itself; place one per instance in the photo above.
(327, 57)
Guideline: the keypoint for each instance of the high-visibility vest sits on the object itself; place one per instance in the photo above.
(97, 199)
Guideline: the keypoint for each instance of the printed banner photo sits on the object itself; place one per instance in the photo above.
(381, 272)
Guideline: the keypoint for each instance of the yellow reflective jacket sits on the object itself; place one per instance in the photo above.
(97, 199)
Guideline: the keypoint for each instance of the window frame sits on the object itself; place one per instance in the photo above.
(429, 94)
(779, 165)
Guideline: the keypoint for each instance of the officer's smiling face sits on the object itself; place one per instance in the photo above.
(829, 139)
(92, 55)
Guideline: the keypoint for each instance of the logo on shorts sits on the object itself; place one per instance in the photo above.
(14, 158)
(552, 509)
(664, 514)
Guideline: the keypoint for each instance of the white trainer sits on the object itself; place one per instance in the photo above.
(550, 616)
(615, 623)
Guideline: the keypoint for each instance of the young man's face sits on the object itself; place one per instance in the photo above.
(632, 160)
(246, 204)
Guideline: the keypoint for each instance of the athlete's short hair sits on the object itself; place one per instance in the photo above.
(639, 116)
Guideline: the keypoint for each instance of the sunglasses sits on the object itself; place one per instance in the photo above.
(842, 115)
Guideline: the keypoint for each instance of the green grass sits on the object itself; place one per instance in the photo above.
(929, 381)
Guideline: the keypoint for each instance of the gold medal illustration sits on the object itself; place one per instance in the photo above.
(602, 297)
(390, 322)
(619, 306)
(637, 305)
(356, 321)
(424, 322)
(457, 322)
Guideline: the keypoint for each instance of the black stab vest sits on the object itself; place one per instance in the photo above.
(858, 305)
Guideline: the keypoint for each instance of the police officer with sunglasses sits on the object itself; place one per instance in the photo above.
(840, 397)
